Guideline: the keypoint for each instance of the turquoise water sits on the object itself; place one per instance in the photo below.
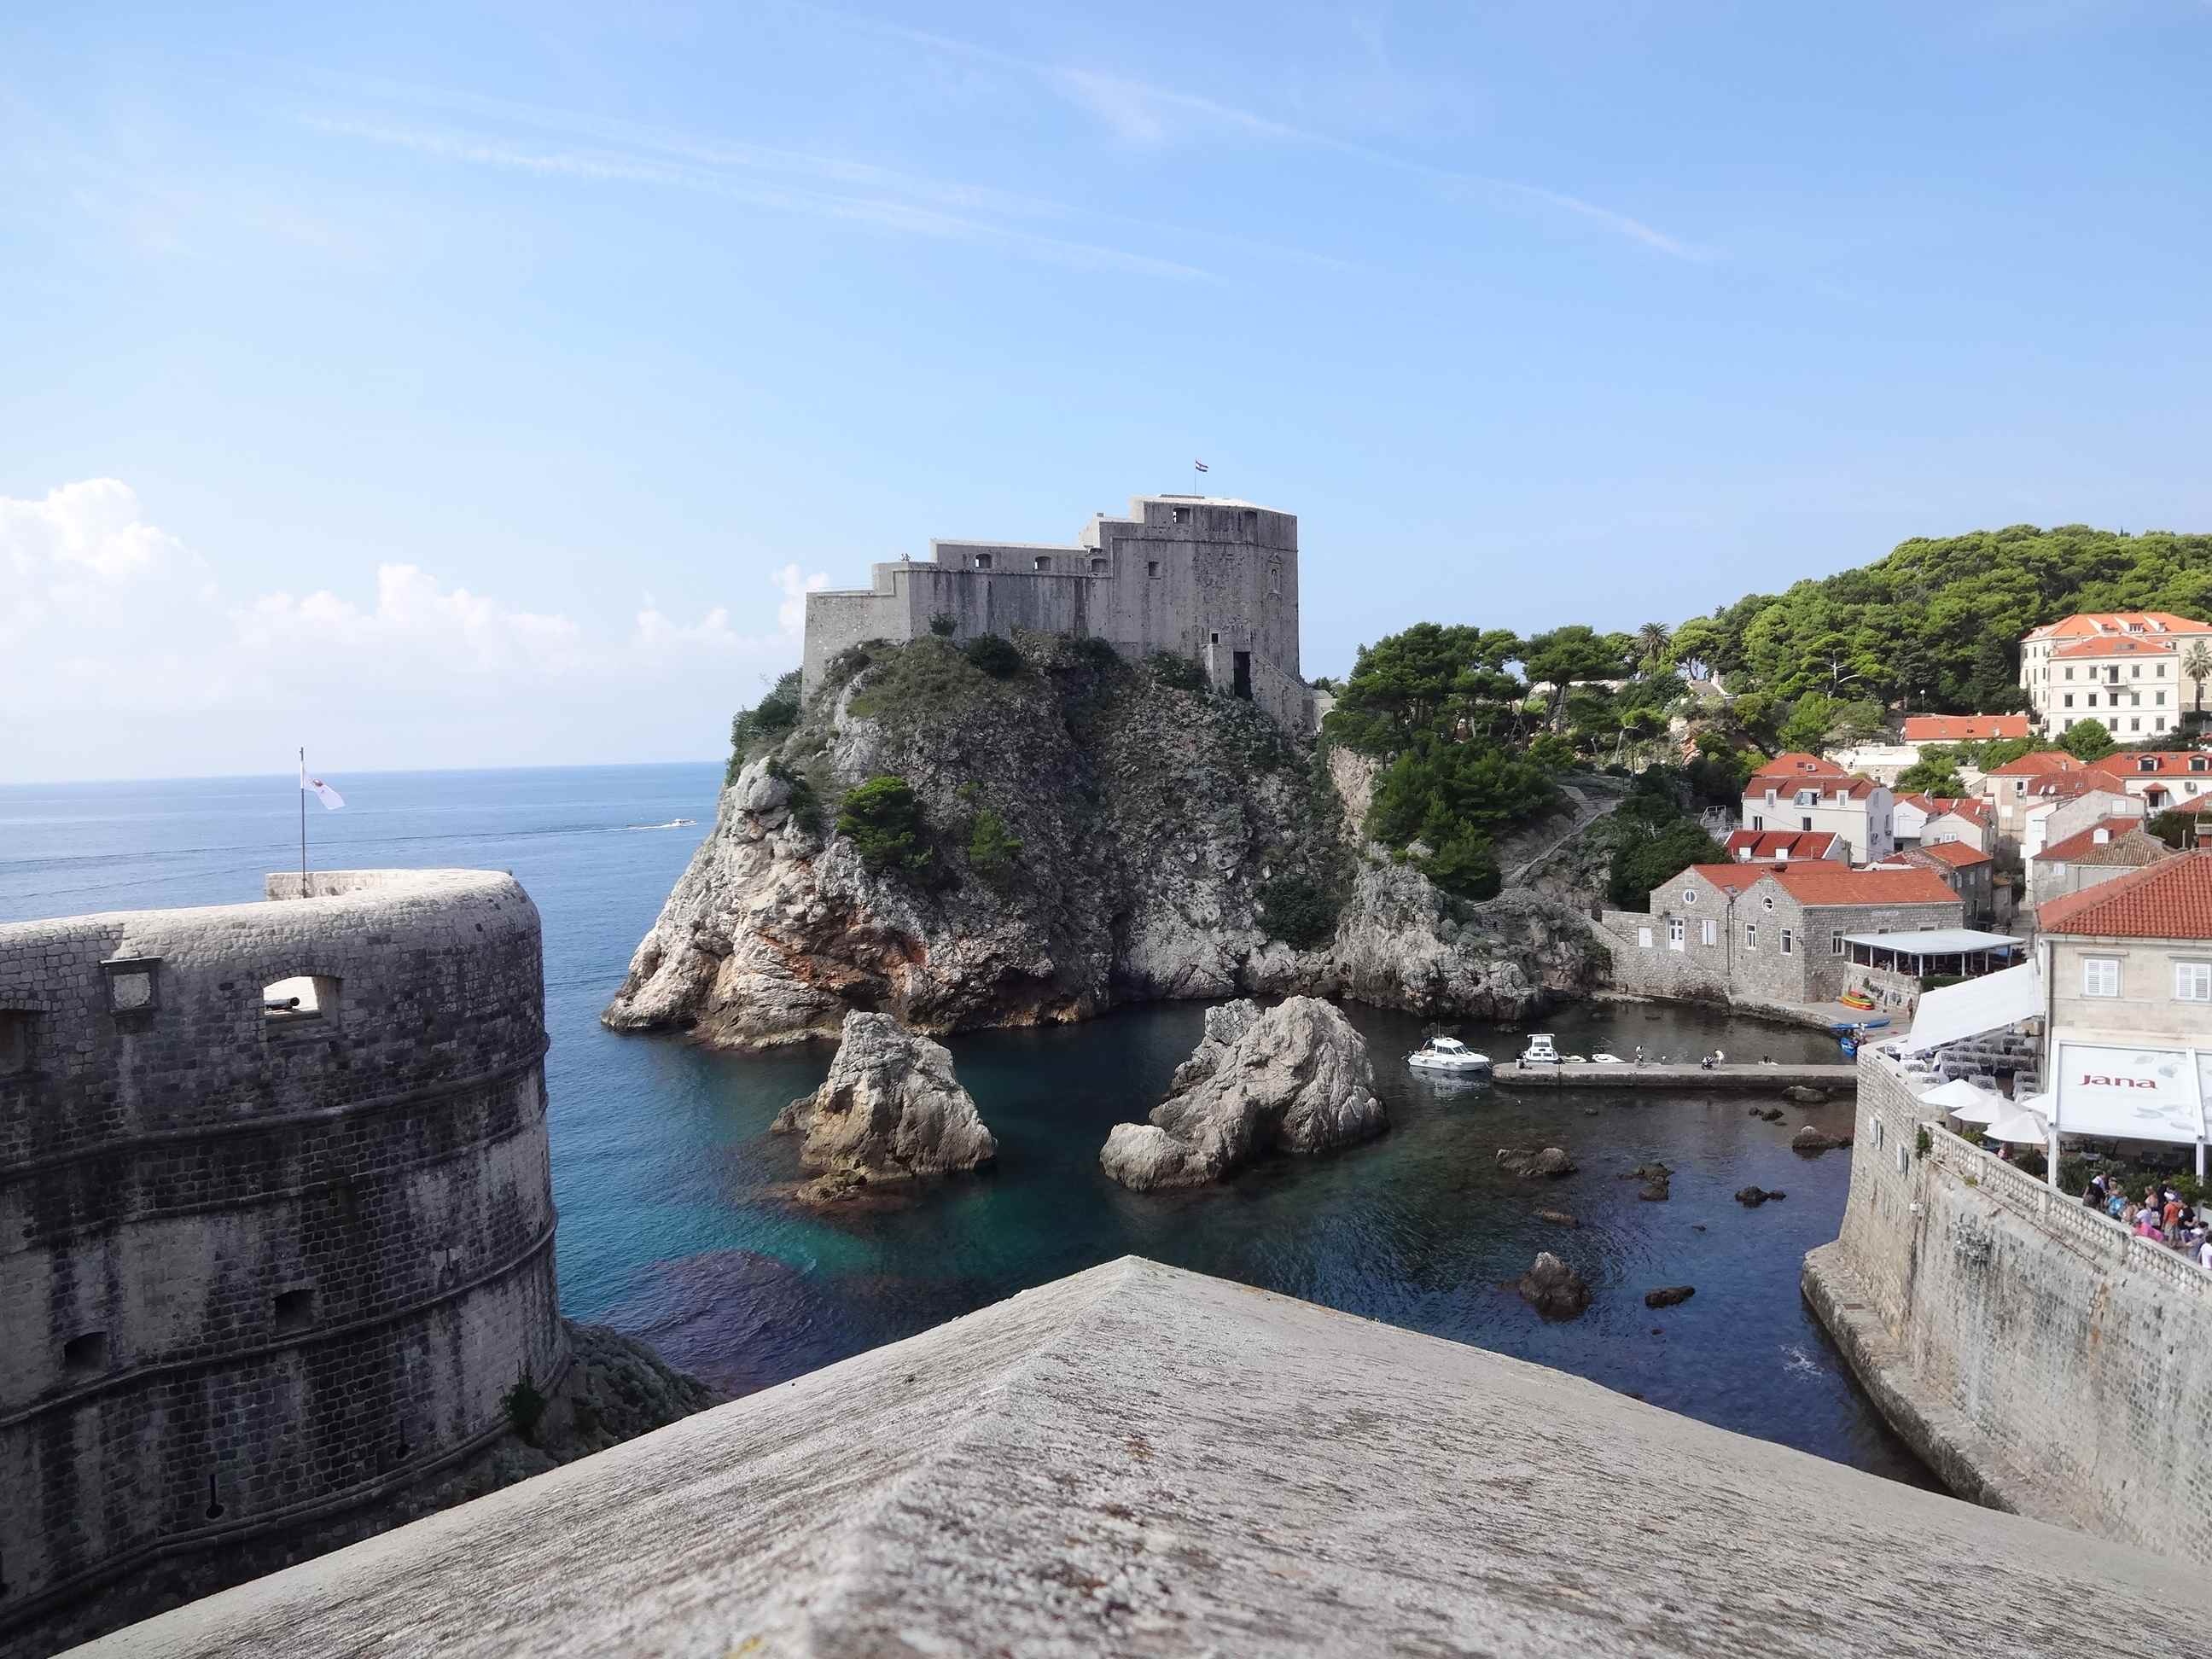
(675, 1222)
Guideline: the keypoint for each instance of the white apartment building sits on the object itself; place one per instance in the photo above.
(2122, 669)
(1803, 792)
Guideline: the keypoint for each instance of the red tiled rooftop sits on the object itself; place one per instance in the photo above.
(2035, 765)
(1761, 846)
(1728, 878)
(2078, 846)
(1796, 763)
(2154, 763)
(1811, 883)
(2170, 899)
(2091, 623)
(2119, 645)
(1956, 854)
(1963, 728)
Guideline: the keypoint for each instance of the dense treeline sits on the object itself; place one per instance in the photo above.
(1937, 624)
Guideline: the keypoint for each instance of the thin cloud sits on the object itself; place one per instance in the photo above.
(1139, 111)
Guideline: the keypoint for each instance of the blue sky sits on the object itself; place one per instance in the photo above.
(460, 385)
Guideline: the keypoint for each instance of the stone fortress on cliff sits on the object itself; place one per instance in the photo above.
(275, 1213)
(1211, 578)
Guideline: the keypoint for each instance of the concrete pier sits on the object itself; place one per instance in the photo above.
(1839, 1079)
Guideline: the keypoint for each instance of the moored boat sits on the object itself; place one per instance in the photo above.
(1447, 1054)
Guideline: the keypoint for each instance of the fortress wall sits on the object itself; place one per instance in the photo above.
(2037, 1356)
(256, 1268)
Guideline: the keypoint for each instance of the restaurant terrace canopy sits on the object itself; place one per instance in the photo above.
(1959, 950)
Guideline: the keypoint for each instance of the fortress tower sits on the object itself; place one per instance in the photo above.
(1207, 578)
(276, 1216)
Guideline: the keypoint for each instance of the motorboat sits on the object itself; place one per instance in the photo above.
(1447, 1054)
(1608, 1060)
(1540, 1050)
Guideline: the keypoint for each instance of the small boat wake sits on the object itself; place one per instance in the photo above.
(1797, 1363)
(672, 824)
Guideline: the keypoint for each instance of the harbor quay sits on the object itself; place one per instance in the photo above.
(1839, 1079)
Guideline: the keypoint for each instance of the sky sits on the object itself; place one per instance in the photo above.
(452, 386)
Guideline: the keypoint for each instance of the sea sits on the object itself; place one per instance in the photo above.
(676, 1220)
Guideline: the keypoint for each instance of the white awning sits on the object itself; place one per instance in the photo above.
(2020, 1128)
(1973, 1006)
(2130, 1093)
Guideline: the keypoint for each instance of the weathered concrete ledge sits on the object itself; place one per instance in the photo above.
(1137, 1460)
(1836, 1079)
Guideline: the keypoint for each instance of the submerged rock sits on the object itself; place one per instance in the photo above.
(1805, 1094)
(890, 1110)
(1554, 1289)
(1771, 1114)
(1654, 1192)
(1752, 1197)
(1545, 1163)
(1668, 1296)
(1558, 1218)
(1295, 1079)
(1813, 1142)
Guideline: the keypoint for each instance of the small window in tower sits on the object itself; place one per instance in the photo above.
(85, 1355)
(295, 1309)
(1252, 522)
(1152, 567)
(1042, 564)
(1182, 515)
(304, 997)
(982, 562)
(1098, 567)
(15, 1041)
(1213, 639)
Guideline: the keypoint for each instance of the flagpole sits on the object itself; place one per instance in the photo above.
(303, 822)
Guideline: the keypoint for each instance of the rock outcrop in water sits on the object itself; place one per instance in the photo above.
(1553, 1289)
(890, 1110)
(1295, 1079)
(1088, 834)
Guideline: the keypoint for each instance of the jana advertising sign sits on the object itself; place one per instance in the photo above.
(2133, 1094)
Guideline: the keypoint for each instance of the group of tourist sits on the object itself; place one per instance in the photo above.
(2161, 1215)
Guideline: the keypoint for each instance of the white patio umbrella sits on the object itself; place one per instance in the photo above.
(1988, 1110)
(1959, 1095)
(2020, 1128)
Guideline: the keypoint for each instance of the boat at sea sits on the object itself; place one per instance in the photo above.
(1449, 1056)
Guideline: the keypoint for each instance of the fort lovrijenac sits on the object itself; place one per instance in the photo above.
(1208, 578)
(276, 1216)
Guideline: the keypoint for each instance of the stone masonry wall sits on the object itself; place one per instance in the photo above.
(254, 1269)
(1739, 964)
(2040, 1358)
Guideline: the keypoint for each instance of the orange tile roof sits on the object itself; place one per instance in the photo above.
(1760, 845)
(1809, 883)
(2077, 847)
(2065, 786)
(1797, 763)
(2035, 765)
(2154, 762)
(1956, 854)
(1974, 811)
(2083, 622)
(1963, 728)
(2170, 899)
(2116, 644)
(1730, 879)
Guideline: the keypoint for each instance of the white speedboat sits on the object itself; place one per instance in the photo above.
(1540, 1050)
(1608, 1059)
(1444, 1053)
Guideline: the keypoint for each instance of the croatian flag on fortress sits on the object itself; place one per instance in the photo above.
(331, 798)
(1197, 466)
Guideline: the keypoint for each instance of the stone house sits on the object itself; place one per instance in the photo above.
(2130, 960)
(1206, 578)
(1761, 933)
(2062, 807)
(1801, 792)
(1966, 821)
(1909, 814)
(2161, 779)
(1967, 870)
(2005, 791)
(2120, 668)
(2104, 851)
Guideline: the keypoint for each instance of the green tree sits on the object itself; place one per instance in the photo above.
(769, 721)
(2177, 828)
(1576, 651)
(2197, 667)
(2087, 741)
(1653, 640)
(1935, 773)
(882, 819)
(1812, 718)
(1297, 910)
(992, 847)
(1993, 752)
(1465, 864)
(995, 654)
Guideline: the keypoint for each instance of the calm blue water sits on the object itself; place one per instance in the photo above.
(674, 1224)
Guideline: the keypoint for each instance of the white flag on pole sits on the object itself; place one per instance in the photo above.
(331, 798)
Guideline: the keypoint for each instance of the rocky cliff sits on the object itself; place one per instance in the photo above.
(1085, 832)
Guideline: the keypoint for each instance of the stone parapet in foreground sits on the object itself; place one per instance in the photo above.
(1141, 1459)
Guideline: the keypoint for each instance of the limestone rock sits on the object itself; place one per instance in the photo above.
(1812, 1142)
(1532, 1162)
(889, 1110)
(1558, 1218)
(1805, 1094)
(1654, 1192)
(1294, 1079)
(1668, 1296)
(1654, 1170)
(1554, 1289)
(1149, 821)
(1752, 1197)
(1771, 1114)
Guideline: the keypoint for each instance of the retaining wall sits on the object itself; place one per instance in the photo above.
(2034, 1352)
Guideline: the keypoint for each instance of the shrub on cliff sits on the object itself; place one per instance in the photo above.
(992, 847)
(1652, 840)
(882, 820)
(769, 721)
(1298, 910)
(1174, 672)
(1465, 865)
(995, 654)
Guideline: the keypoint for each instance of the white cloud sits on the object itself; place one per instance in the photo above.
(121, 656)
